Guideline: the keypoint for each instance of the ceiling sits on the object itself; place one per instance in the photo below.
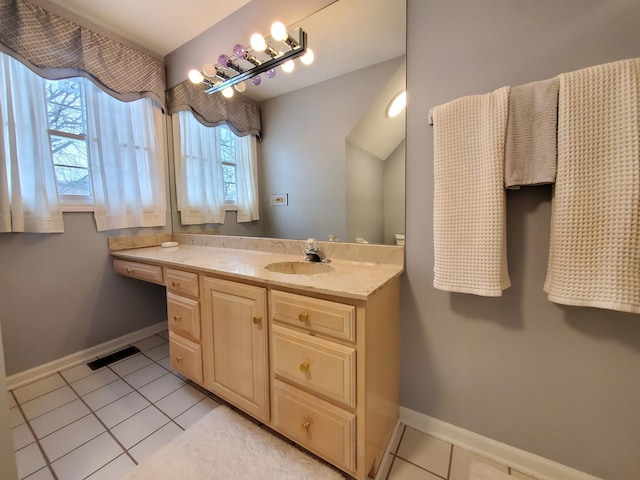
(346, 35)
(159, 26)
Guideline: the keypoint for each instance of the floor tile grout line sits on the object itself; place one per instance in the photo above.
(422, 468)
(154, 403)
(171, 420)
(101, 423)
(36, 439)
(393, 460)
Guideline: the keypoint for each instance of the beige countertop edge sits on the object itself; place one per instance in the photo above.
(355, 280)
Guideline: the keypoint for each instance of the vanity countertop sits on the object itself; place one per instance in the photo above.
(357, 280)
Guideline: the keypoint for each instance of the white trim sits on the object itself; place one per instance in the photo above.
(385, 463)
(528, 463)
(19, 379)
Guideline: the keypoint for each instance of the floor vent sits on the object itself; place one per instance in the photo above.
(113, 357)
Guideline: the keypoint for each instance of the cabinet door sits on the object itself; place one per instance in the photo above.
(235, 344)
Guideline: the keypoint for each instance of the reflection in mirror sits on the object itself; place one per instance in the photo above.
(328, 145)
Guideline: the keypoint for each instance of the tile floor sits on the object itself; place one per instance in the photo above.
(418, 456)
(97, 425)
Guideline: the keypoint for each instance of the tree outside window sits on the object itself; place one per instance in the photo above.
(68, 137)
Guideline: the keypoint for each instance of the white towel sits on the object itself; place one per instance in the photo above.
(469, 230)
(530, 148)
(594, 256)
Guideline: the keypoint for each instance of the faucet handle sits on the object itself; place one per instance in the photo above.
(311, 244)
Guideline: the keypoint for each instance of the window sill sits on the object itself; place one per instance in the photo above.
(77, 207)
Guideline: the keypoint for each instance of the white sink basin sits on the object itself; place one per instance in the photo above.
(299, 268)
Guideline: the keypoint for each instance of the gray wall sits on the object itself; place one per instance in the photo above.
(59, 293)
(365, 195)
(562, 382)
(303, 152)
(394, 193)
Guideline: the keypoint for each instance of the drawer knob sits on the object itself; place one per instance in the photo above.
(257, 319)
(130, 270)
(303, 317)
(177, 317)
(304, 367)
(175, 283)
(305, 426)
(179, 358)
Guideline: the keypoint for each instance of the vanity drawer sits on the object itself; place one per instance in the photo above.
(184, 283)
(315, 424)
(141, 271)
(184, 315)
(322, 316)
(315, 364)
(186, 357)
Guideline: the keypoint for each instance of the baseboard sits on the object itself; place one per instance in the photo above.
(528, 463)
(83, 356)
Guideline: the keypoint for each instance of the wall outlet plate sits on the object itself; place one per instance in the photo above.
(279, 199)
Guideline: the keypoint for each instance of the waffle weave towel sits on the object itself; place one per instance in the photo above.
(594, 253)
(469, 198)
(530, 149)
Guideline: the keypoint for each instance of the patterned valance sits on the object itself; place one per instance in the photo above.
(57, 48)
(240, 113)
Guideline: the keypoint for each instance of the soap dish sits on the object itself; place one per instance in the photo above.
(168, 244)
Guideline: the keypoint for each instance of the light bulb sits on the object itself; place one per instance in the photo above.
(288, 66)
(270, 73)
(195, 76)
(258, 43)
(256, 80)
(209, 70)
(279, 31)
(240, 87)
(224, 60)
(397, 104)
(227, 92)
(239, 51)
(308, 57)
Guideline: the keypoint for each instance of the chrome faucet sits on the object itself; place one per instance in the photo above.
(312, 254)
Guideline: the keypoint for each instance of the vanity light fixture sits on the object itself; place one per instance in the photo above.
(248, 63)
(397, 104)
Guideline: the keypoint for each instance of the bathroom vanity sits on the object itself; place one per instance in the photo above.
(310, 350)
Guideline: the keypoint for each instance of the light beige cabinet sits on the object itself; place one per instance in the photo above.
(334, 374)
(235, 346)
(183, 312)
(323, 370)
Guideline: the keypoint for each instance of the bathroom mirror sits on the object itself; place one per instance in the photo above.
(328, 145)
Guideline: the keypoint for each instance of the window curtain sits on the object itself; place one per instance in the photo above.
(199, 179)
(198, 176)
(239, 113)
(56, 48)
(28, 195)
(247, 179)
(126, 157)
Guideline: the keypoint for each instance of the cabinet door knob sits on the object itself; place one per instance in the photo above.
(305, 426)
(303, 317)
(304, 367)
(177, 317)
(175, 283)
(130, 270)
(257, 319)
(179, 358)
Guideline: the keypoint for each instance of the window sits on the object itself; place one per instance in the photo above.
(215, 171)
(227, 146)
(68, 145)
(68, 138)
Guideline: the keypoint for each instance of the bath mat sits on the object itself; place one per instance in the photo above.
(225, 445)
